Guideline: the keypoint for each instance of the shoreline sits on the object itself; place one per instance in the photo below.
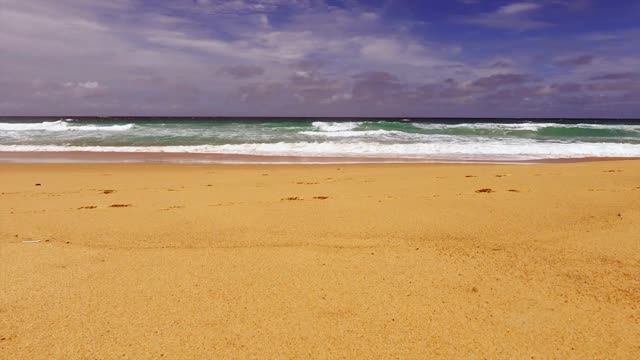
(82, 157)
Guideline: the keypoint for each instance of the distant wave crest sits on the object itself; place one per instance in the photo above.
(62, 125)
(526, 126)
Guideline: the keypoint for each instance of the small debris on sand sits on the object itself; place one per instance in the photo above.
(321, 197)
(120, 205)
(172, 207)
(470, 176)
(513, 190)
(108, 191)
(475, 289)
(87, 207)
(38, 184)
(485, 191)
(292, 198)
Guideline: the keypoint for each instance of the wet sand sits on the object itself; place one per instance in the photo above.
(90, 157)
(322, 261)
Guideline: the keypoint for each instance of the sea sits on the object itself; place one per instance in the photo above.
(311, 140)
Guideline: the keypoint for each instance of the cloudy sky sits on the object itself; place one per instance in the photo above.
(484, 58)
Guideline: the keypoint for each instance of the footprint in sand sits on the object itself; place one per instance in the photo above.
(293, 198)
(120, 205)
(485, 191)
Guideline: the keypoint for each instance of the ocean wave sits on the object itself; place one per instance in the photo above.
(61, 125)
(335, 126)
(352, 133)
(525, 126)
(458, 151)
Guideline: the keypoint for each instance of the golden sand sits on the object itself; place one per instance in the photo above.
(326, 261)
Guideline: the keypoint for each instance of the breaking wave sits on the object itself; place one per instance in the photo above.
(494, 150)
(61, 125)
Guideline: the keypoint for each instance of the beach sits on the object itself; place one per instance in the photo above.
(320, 261)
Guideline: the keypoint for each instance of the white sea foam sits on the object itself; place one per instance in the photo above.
(524, 126)
(352, 133)
(61, 125)
(335, 126)
(626, 127)
(455, 151)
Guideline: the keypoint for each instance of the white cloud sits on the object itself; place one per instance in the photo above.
(513, 16)
(517, 8)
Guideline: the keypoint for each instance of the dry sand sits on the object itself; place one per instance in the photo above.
(329, 261)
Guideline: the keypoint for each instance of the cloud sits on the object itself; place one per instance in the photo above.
(85, 89)
(266, 57)
(517, 8)
(242, 71)
(376, 87)
(248, 6)
(574, 5)
(514, 16)
(617, 76)
(500, 80)
(608, 85)
(580, 60)
(501, 64)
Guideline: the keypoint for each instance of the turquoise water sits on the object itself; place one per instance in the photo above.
(462, 139)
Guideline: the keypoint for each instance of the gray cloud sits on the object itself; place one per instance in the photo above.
(617, 76)
(376, 86)
(241, 71)
(623, 85)
(500, 80)
(580, 60)
(501, 64)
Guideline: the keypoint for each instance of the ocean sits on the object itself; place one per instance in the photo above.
(324, 140)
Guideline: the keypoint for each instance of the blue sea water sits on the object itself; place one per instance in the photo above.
(400, 139)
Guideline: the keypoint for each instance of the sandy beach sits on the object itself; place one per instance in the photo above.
(320, 261)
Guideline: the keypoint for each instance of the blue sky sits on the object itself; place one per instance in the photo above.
(466, 58)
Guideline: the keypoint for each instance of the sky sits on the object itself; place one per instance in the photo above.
(405, 58)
